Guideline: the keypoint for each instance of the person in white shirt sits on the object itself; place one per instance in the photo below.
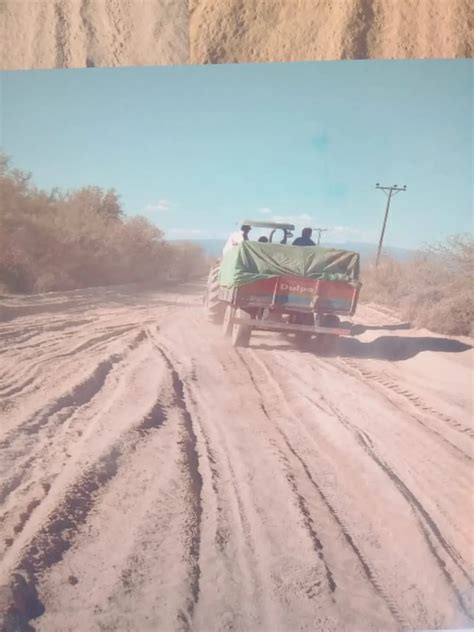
(237, 238)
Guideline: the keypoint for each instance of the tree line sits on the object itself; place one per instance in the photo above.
(53, 241)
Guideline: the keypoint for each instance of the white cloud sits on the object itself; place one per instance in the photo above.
(159, 207)
(265, 211)
(341, 234)
(297, 220)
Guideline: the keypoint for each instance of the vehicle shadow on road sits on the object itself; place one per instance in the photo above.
(396, 348)
(389, 348)
(357, 330)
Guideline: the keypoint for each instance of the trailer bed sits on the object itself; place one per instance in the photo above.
(291, 293)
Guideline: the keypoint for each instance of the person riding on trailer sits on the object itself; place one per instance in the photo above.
(237, 238)
(305, 239)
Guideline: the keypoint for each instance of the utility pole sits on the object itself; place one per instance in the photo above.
(389, 192)
(320, 230)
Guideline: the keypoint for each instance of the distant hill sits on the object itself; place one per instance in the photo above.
(213, 247)
(368, 251)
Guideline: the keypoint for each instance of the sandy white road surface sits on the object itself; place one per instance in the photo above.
(154, 478)
(303, 30)
(80, 33)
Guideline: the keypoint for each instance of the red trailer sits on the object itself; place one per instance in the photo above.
(291, 304)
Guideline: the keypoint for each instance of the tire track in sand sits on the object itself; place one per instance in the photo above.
(85, 12)
(62, 34)
(259, 374)
(15, 387)
(120, 30)
(426, 523)
(353, 369)
(307, 520)
(60, 410)
(230, 511)
(195, 483)
(26, 333)
(60, 530)
(360, 26)
(427, 427)
(239, 507)
(78, 396)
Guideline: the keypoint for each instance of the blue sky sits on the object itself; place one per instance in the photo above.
(196, 148)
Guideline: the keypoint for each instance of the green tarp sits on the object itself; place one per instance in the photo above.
(252, 261)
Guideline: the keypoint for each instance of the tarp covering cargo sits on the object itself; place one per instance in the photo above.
(252, 261)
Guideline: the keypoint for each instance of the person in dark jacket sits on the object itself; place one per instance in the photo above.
(305, 239)
(245, 229)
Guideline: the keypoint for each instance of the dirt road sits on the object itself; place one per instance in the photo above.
(154, 478)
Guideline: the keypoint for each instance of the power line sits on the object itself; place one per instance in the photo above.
(389, 192)
(319, 231)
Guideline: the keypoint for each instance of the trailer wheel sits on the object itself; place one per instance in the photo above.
(241, 332)
(215, 307)
(227, 323)
(326, 343)
(303, 338)
(330, 320)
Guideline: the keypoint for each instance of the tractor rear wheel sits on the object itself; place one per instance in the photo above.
(227, 323)
(241, 332)
(215, 307)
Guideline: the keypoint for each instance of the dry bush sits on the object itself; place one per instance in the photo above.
(434, 289)
(188, 261)
(80, 239)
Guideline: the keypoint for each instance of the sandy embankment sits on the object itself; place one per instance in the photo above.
(80, 33)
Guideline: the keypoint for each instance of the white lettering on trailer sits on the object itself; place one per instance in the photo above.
(301, 289)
